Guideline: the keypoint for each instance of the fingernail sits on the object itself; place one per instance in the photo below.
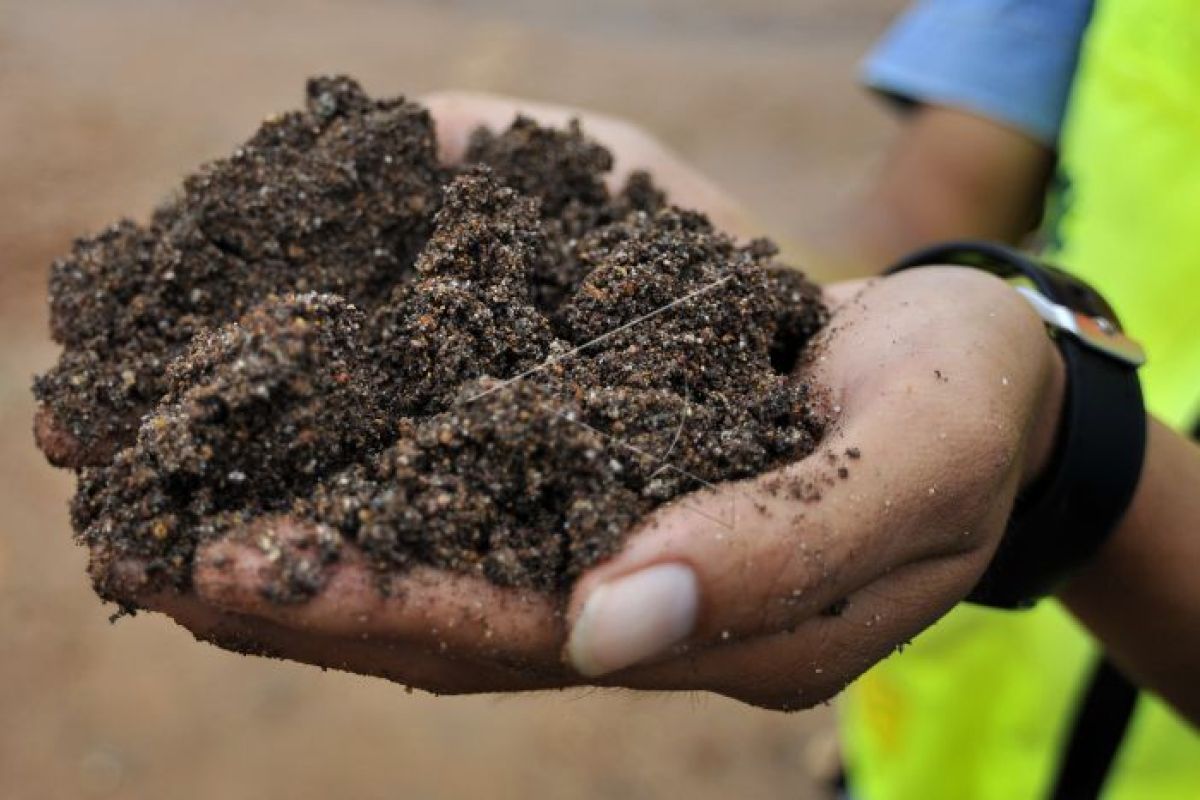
(630, 619)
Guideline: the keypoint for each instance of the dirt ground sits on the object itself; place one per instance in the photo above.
(103, 107)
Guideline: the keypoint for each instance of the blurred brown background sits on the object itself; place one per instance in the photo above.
(103, 107)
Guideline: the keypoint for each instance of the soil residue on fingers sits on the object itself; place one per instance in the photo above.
(495, 368)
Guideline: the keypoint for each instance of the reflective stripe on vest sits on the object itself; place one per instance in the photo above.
(979, 705)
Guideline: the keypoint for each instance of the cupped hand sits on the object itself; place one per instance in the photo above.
(776, 591)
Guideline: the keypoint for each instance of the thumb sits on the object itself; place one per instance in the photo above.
(740, 559)
(762, 556)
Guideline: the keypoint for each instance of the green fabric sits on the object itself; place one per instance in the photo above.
(1130, 210)
(979, 705)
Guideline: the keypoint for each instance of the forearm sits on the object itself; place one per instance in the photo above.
(949, 175)
(1140, 595)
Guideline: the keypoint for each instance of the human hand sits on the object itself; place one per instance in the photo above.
(241, 562)
(948, 394)
(947, 391)
(947, 388)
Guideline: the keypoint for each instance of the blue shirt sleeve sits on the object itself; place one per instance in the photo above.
(1009, 60)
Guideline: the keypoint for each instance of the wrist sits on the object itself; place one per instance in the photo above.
(1085, 473)
(1046, 421)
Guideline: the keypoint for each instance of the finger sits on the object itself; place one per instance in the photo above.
(458, 114)
(812, 662)
(457, 614)
(62, 447)
(364, 655)
(745, 559)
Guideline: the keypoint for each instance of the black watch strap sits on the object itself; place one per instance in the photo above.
(1061, 520)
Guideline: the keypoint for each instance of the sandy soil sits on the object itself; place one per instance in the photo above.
(103, 106)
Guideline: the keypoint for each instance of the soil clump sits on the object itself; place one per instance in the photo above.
(496, 367)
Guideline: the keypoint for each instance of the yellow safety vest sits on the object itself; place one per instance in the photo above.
(979, 705)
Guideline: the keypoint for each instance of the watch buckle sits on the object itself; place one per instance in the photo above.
(1097, 333)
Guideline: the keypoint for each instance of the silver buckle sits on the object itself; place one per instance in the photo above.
(1097, 333)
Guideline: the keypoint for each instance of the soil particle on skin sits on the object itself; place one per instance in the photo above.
(495, 368)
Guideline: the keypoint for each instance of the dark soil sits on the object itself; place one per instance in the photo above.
(497, 367)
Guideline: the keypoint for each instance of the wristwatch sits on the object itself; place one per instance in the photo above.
(1061, 520)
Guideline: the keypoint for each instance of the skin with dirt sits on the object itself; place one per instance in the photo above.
(497, 367)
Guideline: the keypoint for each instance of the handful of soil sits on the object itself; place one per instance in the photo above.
(497, 367)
